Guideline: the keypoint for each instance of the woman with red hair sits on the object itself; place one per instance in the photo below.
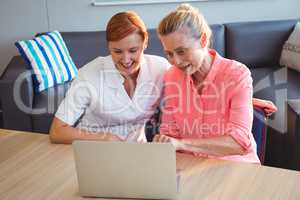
(113, 96)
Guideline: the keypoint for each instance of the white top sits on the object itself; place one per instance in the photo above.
(97, 100)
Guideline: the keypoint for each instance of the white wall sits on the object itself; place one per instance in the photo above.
(21, 19)
(82, 16)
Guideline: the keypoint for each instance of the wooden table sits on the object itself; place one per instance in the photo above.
(32, 168)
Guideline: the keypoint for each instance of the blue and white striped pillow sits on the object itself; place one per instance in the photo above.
(49, 58)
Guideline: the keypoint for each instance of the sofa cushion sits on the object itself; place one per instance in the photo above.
(290, 56)
(49, 100)
(257, 43)
(267, 81)
(218, 38)
(49, 58)
(41, 123)
(86, 46)
(293, 77)
(272, 83)
(217, 41)
(45, 105)
(154, 45)
(278, 84)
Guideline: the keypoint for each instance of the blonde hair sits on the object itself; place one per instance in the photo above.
(185, 16)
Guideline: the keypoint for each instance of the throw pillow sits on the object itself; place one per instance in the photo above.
(49, 59)
(290, 55)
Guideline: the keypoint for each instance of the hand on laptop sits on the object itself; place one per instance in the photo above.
(163, 138)
(112, 137)
(136, 134)
(135, 137)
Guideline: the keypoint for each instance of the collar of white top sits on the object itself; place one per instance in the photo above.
(114, 79)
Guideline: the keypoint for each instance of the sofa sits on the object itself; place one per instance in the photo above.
(256, 44)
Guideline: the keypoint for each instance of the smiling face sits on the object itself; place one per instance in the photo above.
(127, 37)
(127, 53)
(184, 51)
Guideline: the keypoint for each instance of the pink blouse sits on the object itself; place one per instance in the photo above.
(224, 106)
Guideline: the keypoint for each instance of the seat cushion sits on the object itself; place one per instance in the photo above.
(85, 46)
(267, 81)
(218, 38)
(45, 105)
(257, 43)
(276, 83)
(49, 100)
(259, 130)
(290, 55)
(293, 84)
(270, 83)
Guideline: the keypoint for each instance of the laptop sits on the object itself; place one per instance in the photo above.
(125, 170)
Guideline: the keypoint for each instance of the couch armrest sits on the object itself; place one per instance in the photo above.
(293, 107)
(259, 130)
(16, 95)
(293, 134)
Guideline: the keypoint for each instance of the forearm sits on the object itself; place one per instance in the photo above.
(66, 134)
(215, 146)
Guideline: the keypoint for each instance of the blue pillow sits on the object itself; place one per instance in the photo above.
(49, 59)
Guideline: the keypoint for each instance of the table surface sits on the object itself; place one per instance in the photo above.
(32, 168)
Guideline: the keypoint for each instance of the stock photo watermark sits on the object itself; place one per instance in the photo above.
(148, 95)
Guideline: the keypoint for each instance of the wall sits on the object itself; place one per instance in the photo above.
(19, 20)
(22, 19)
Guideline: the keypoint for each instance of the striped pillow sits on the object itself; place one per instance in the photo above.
(49, 58)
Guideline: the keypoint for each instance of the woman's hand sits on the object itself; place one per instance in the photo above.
(164, 139)
(111, 137)
(161, 138)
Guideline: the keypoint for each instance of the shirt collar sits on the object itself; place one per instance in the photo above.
(114, 79)
(214, 67)
(145, 72)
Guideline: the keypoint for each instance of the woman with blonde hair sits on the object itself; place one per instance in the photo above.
(207, 98)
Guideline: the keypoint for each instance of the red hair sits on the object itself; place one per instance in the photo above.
(123, 24)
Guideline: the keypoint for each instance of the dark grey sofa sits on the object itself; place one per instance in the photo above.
(256, 44)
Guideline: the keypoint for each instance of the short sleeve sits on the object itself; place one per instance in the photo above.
(77, 99)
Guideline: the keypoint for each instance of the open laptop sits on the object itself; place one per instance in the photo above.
(126, 170)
